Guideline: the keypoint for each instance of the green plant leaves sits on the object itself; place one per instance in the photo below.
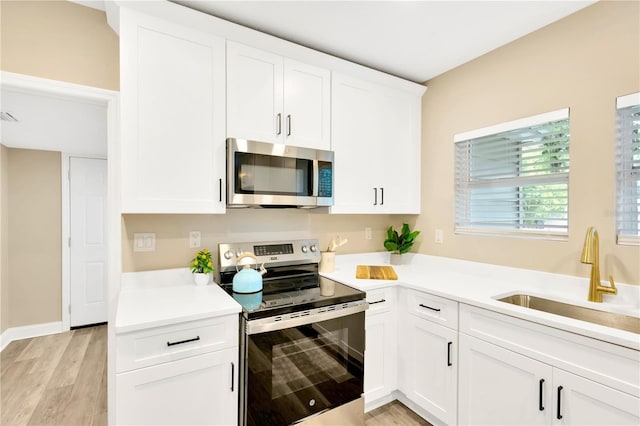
(400, 243)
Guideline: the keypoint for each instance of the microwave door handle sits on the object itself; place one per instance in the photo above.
(315, 177)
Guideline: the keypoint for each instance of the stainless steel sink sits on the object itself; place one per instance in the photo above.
(609, 319)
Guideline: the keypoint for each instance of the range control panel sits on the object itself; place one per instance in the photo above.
(270, 253)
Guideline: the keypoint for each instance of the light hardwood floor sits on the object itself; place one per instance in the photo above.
(61, 380)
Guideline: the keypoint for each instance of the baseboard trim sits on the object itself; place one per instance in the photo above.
(28, 331)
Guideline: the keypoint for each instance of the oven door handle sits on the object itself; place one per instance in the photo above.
(264, 325)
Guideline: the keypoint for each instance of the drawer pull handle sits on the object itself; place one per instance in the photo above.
(449, 364)
(559, 413)
(183, 341)
(429, 307)
(233, 367)
(377, 301)
(540, 406)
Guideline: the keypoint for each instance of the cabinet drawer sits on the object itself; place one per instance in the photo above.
(381, 300)
(169, 343)
(434, 308)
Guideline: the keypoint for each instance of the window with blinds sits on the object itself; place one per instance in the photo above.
(628, 169)
(512, 179)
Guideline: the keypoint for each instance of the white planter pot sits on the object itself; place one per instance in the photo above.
(396, 259)
(201, 279)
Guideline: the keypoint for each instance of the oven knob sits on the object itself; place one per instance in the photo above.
(313, 248)
(228, 255)
(304, 249)
(238, 253)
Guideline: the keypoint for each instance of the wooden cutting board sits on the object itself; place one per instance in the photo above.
(376, 272)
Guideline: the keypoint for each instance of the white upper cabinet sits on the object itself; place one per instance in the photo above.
(376, 139)
(172, 83)
(275, 99)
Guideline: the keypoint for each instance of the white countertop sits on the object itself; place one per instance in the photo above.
(169, 296)
(480, 284)
(156, 298)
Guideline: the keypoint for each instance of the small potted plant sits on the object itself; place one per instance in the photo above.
(202, 267)
(399, 243)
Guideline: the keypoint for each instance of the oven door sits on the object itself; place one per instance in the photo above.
(303, 367)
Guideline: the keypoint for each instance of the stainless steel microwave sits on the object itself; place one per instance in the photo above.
(261, 174)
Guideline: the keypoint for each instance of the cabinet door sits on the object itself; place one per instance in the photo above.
(376, 139)
(399, 142)
(498, 386)
(307, 91)
(356, 141)
(583, 401)
(380, 365)
(254, 94)
(197, 391)
(172, 84)
(431, 374)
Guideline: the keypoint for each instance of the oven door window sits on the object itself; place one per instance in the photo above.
(273, 175)
(297, 372)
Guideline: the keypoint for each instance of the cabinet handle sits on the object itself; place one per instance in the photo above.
(381, 196)
(288, 125)
(449, 364)
(377, 301)
(540, 406)
(429, 307)
(558, 414)
(233, 367)
(375, 196)
(183, 341)
(220, 188)
(278, 124)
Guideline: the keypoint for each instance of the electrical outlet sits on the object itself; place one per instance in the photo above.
(438, 236)
(144, 241)
(194, 239)
(367, 233)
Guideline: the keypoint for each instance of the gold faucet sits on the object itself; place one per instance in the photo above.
(590, 254)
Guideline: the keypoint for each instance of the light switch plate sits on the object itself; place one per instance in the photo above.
(144, 241)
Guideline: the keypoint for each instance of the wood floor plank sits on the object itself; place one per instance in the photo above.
(16, 397)
(88, 380)
(52, 405)
(70, 361)
(11, 353)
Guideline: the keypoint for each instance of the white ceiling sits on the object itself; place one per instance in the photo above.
(54, 124)
(416, 40)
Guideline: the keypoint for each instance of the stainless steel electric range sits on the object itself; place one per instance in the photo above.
(301, 353)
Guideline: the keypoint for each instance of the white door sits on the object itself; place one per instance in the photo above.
(501, 387)
(585, 402)
(254, 94)
(88, 264)
(432, 374)
(307, 105)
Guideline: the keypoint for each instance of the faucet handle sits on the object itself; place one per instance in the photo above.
(613, 285)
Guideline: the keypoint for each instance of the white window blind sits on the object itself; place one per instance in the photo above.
(512, 179)
(628, 169)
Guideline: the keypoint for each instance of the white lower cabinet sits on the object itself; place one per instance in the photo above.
(199, 390)
(381, 354)
(500, 382)
(584, 401)
(428, 359)
(498, 386)
(184, 373)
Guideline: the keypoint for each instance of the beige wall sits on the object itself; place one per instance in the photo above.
(4, 239)
(172, 233)
(59, 40)
(35, 237)
(582, 62)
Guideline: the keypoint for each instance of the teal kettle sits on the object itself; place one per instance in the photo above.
(248, 280)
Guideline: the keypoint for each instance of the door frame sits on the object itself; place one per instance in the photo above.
(111, 99)
(66, 233)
